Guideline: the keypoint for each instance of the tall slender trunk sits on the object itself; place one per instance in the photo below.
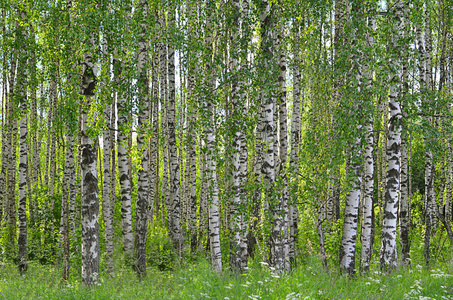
(295, 141)
(23, 165)
(52, 132)
(34, 157)
(113, 135)
(405, 204)
(11, 154)
(352, 201)
(141, 215)
(430, 197)
(203, 210)
(211, 160)
(349, 238)
(68, 169)
(90, 198)
(238, 248)
(341, 16)
(174, 166)
(449, 175)
(449, 196)
(4, 106)
(368, 174)
(280, 222)
(368, 193)
(107, 195)
(50, 113)
(165, 195)
(123, 165)
(388, 255)
(191, 104)
(153, 149)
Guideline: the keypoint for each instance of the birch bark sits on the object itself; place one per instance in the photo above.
(90, 197)
(123, 165)
(388, 253)
(368, 174)
(174, 166)
(212, 184)
(141, 214)
(21, 85)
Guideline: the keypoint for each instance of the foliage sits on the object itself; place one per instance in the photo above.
(160, 251)
(197, 280)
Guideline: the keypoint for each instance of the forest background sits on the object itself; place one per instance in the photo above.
(262, 135)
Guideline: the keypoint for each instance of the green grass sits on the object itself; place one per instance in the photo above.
(197, 281)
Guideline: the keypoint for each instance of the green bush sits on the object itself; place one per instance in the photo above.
(160, 251)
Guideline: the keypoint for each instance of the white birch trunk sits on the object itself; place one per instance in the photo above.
(238, 248)
(141, 214)
(368, 174)
(173, 162)
(191, 103)
(123, 167)
(449, 175)
(281, 219)
(90, 197)
(295, 141)
(349, 238)
(68, 170)
(430, 197)
(389, 255)
(107, 195)
(212, 184)
(153, 149)
(23, 166)
(12, 161)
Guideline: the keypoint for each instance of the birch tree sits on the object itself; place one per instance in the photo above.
(123, 163)
(175, 227)
(238, 247)
(388, 253)
(143, 183)
(368, 172)
(90, 197)
(212, 184)
(21, 93)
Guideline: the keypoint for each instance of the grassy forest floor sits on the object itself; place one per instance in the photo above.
(196, 280)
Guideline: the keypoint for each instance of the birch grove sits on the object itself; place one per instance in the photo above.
(145, 135)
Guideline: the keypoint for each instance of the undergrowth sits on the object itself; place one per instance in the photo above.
(196, 280)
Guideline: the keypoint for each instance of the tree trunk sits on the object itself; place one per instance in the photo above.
(21, 85)
(238, 247)
(174, 166)
(279, 239)
(368, 174)
(389, 256)
(113, 135)
(107, 195)
(405, 204)
(430, 197)
(90, 200)
(295, 141)
(154, 144)
(141, 215)
(123, 166)
(68, 170)
(212, 184)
